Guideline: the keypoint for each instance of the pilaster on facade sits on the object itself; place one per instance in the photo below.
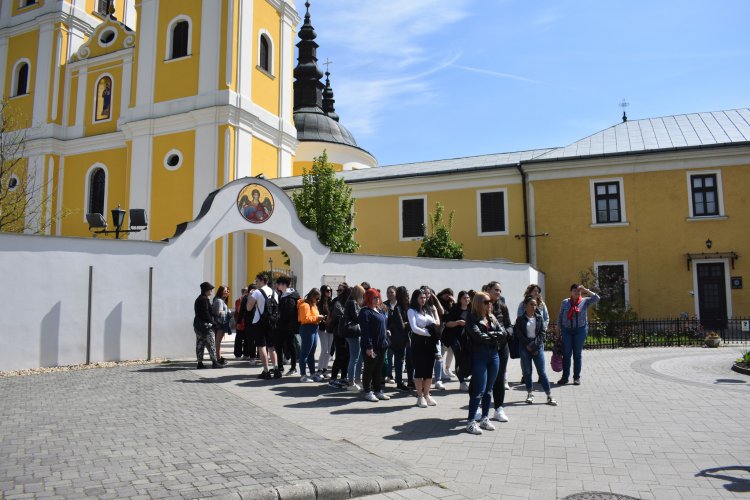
(140, 177)
(4, 58)
(42, 75)
(245, 55)
(210, 44)
(32, 218)
(147, 37)
(77, 129)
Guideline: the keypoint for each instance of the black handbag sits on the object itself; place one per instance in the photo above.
(513, 347)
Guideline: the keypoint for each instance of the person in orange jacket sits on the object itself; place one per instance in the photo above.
(309, 318)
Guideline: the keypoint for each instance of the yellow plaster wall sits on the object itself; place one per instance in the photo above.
(265, 88)
(25, 45)
(172, 190)
(74, 187)
(178, 78)
(265, 159)
(113, 69)
(654, 244)
(378, 225)
(15, 9)
(255, 256)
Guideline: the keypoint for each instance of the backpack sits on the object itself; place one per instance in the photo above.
(269, 318)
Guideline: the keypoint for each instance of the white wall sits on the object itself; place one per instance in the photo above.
(44, 300)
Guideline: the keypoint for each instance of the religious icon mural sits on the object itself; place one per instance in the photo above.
(104, 98)
(255, 203)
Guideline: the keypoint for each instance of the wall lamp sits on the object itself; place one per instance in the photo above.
(138, 220)
(709, 243)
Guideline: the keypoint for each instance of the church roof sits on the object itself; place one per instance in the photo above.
(662, 133)
(314, 125)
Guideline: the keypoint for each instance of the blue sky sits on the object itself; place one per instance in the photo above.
(418, 80)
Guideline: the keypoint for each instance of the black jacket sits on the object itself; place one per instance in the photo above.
(541, 333)
(500, 310)
(202, 309)
(350, 319)
(492, 335)
(288, 322)
(398, 324)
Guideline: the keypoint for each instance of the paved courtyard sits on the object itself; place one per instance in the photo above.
(648, 423)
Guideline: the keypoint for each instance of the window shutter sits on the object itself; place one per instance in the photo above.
(493, 212)
(412, 218)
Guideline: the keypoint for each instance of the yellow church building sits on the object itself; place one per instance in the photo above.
(154, 104)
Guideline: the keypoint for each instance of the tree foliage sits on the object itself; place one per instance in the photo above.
(325, 205)
(612, 306)
(27, 203)
(438, 243)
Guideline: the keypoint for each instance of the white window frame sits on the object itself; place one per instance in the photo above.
(22, 4)
(401, 201)
(719, 195)
(111, 99)
(261, 34)
(18, 182)
(107, 30)
(505, 211)
(624, 264)
(90, 171)
(623, 212)
(727, 285)
(266, 246)
(170, 29)
(14, 78)
(170, 153)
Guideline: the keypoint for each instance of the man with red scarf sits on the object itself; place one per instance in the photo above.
(574, 325)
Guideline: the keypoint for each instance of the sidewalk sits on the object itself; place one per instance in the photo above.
(649, 423)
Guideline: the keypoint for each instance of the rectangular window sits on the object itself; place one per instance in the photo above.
(412, 217)
(612, 280)
(492, 212)
(705, 195)
(607, 199)
(102, 7)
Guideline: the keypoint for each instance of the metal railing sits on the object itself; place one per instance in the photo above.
(662, 332)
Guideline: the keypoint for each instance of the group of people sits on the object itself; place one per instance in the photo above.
(372, 338)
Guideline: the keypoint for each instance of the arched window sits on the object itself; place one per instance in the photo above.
(21, 79)
(103, 103)
(265, 54)
(97, 188)
(180, 38)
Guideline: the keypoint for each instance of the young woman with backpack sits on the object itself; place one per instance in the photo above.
(309, 318)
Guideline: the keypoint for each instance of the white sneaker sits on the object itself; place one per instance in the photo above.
(529, 398)
(448, 376)
(430, 401)
(318, 378)
(305, 378)
(473, 428)
(500, 415)
(421, 402)
(371, 397)
(507, 386)
(439, 385)
(486, 424)
(353, 387)
(464, 387)
(383, 397)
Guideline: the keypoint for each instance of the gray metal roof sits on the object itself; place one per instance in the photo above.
(317, 126)
(666, 132)
(437, 167)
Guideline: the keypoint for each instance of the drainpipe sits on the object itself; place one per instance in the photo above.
(525, 212)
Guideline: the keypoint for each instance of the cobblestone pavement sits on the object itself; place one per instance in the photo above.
(648, 423)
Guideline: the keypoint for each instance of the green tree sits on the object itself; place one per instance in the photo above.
(324, 204)
(611, 289)
(438, 243)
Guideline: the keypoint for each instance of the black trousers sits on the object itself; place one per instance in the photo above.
(287, 345)
(341, 361)
(371, 371)
(244, 345)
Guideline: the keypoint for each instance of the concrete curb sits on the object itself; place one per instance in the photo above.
(329, 489)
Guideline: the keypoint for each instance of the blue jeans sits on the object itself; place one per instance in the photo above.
(355, 360)
(573, 339)
(526, 359)
(309, 337)
(484, 367)
(439, 364)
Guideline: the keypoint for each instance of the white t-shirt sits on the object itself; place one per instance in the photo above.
(419, 322)
(531, 327)
(260, 301)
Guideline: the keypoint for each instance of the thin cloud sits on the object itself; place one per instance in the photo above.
(498, 74)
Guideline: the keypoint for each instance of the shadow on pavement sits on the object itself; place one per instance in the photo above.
(167, 367)
(735, 484)
(373, 408)
(427, 428)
